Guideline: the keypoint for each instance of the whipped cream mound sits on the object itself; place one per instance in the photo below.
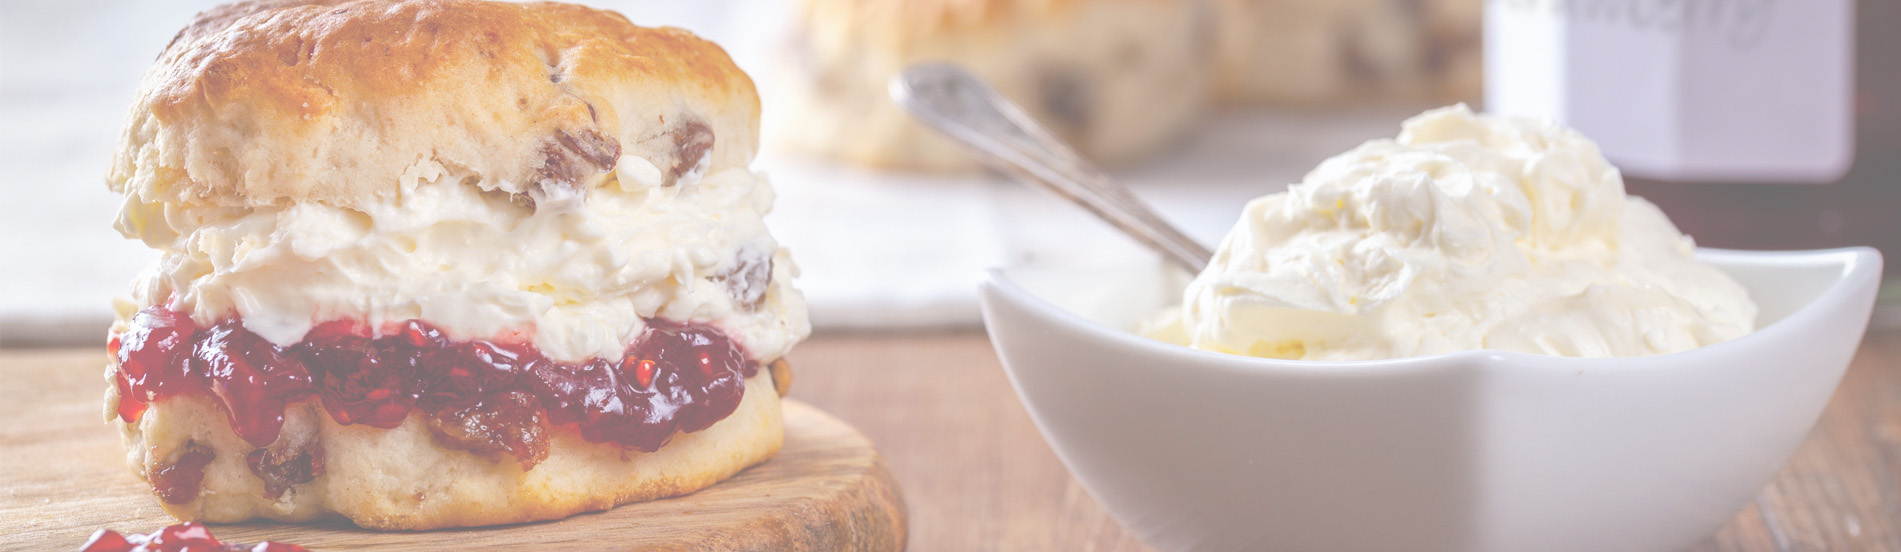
(574, 270)
(1466, 232)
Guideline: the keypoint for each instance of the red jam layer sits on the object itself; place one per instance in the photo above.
(184, 537)
(480, 395)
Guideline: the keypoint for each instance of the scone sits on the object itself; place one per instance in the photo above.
(1321, 51)
(434, 263)
(1116, 78)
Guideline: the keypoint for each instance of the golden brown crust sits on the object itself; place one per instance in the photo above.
(339, 102)
(901, 20)
(781, 376)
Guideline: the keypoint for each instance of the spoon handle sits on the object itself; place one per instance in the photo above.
(953, 101)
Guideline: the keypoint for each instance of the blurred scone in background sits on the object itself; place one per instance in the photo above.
(1120, 79)
(1332, 51)
(1117, 78)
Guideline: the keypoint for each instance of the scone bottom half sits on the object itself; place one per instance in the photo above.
(209, 412)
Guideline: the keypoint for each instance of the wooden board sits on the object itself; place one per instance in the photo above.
(63, 475)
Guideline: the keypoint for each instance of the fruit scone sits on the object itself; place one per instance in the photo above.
(435, 263)
(1330, 51)
(1116, 78)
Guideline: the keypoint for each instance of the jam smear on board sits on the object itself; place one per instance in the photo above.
(184, 537)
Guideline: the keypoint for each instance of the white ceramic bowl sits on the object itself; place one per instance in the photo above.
(1469, 451)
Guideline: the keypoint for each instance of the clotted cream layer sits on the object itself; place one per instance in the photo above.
(1467, 232)
(577, 273)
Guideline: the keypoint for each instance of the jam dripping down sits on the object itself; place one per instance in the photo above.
(479, 395)
(184, 537)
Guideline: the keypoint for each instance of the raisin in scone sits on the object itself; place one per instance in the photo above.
(435, 263)
(1324, 51)
(1116, 78)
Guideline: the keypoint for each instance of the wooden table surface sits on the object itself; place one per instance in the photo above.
(977, 476)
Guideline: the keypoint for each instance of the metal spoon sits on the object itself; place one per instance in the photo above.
(957, 103)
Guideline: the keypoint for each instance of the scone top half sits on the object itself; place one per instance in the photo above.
(540, 170)
(267, 103)
(446, 206)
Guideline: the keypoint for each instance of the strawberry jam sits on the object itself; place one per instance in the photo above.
(252, 377)
(184, 537)
(478, 394)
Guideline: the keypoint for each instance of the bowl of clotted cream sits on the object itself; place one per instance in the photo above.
(1464, 338)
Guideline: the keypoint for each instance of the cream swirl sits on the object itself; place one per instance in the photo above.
(577, 271)
(1466, 232)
